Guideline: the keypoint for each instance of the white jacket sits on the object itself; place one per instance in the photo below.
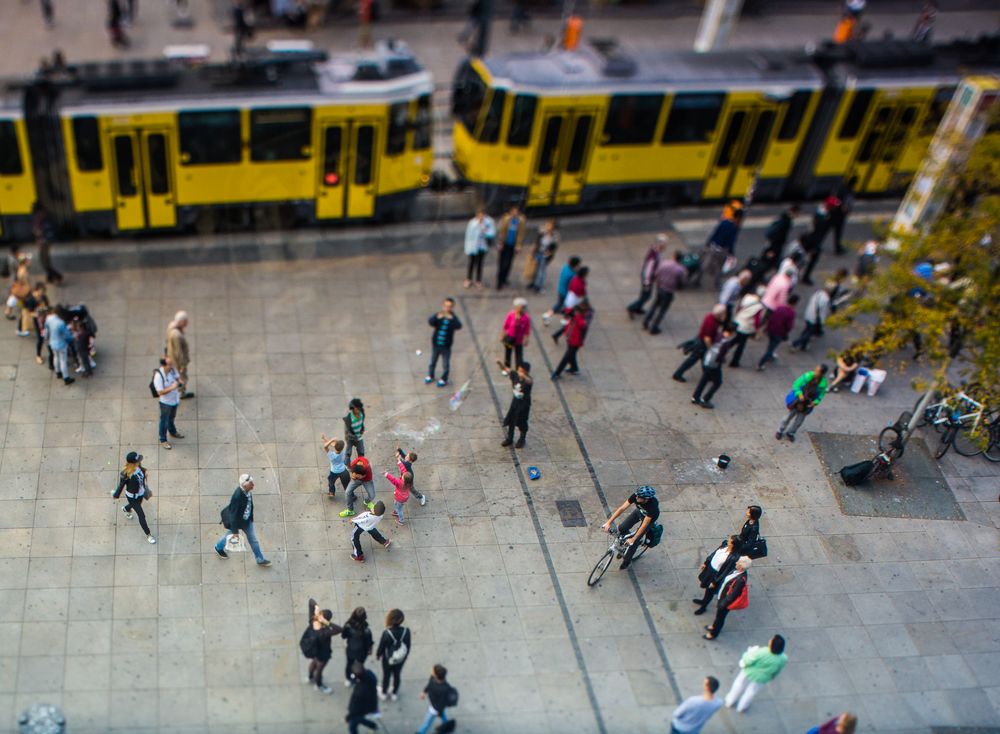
(477, 233)
(367, 520)
(746, 315)
(818, 308)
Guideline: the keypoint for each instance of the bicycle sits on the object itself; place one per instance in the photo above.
(991, 452)
(616, 550)
(958, 428)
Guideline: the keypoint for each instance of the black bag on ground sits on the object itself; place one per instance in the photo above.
(857, 473)
(758, 549)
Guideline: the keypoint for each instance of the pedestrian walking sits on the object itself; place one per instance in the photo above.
(361, 476)
(337, 455)
(816, 313)
(237, 516)
(520, 403)
(718, 564)
(354, 427)
(565, 276)
(669, 278)
(778, 289)
(116, 24)
(40, 311)
(365, 523)
(709, 333)
(393, 649)
(778, 230)
(646, 275)
(576, 292)
(359, 642)
(444, 323)
(401, 493)
(695, 711)
(721, 244)
(58, 336)
(846, 723)
(576, 333)
(41, 228)
(82, 341)
(733, 289)
(242, 27)
(167, 386)
(440, 696)
(515, 333)
(711, 369)
(779, 324)
(812, 243)
(510, 235)
(840, 207)
(748, 318)
(807, 392)
(546, 244)
(405, 461)
(177, 349)
(315, 643)
(750, 532)
(48, 14)
(479, 234)
(923, 28)
(364, 700)
(734, 593)
(758, 666)
(133, 482)
(643, 508)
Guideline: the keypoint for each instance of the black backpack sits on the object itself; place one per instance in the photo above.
(308, 643)
(451, 697)
(152, 383)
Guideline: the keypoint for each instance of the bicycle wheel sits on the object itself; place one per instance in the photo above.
(970, 442)
(600, 568)
(638, 554)
(889, 442)
(992, 452)
(946, 441)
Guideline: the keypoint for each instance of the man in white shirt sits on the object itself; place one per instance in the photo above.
(167, 383)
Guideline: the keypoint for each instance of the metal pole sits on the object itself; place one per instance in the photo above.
(917, 412)
(717, 22)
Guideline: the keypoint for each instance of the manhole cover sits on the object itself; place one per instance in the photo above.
(571, 514)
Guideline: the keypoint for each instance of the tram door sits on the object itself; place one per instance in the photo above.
(747, 135)
(559, 171)
(347, 172)
(142, 182)
(884, 143)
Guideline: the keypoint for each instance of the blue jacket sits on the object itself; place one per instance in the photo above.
(565, 276)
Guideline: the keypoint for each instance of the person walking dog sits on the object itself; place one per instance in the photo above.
(758, 666)
(237, 516)
(734, 593)
(807, 392)
(132, 481)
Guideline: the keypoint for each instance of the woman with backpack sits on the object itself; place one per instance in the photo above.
(393, 649)
(315, 643)
(132, 481)
(359, 641)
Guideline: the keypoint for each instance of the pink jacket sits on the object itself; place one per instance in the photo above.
(517, 328)
(777, 291)
(402, 492)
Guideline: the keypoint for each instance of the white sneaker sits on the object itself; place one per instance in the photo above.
(79, 369)
(423, 500)
(381, 695)
(348, 683)
(324, 689)
(150, 539)
(393, 697)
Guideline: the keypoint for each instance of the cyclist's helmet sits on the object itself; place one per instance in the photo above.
(645, 492)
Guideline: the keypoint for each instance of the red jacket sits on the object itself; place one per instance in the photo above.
(576, 330)
(710, 329)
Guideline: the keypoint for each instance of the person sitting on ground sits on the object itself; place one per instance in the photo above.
(847, 367)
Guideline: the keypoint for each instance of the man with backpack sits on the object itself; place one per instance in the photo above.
(441, 695)
(166, 387)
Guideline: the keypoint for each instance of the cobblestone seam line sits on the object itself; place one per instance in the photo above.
(607, 509)
(567, 619)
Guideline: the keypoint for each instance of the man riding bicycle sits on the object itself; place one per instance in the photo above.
(644, 505)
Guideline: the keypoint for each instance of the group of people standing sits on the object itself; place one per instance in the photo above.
(483, 234)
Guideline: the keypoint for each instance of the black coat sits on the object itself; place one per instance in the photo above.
(748, 535)
(130, 485)
(364, 697)
(322, 636)
(237, 506)
(359, 642)
(732, 590)
(709, 576)
(520, 407)
(388, 642)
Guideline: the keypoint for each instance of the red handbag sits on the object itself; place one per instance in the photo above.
(743, 600)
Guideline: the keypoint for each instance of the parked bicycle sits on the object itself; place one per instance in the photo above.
(958, 420)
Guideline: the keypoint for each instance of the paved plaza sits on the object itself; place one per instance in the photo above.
(894, 619)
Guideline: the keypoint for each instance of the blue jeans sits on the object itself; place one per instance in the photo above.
(167, 414)
(429, 719)
(251, 537)
(539, 280)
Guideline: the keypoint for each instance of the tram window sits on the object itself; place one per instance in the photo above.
(125, 165)
(868, 147)
(422, 123)
(856, 114)
(467, 96)
(210, 136)
(491, 124)
(280, 134)
(87, 141)
(899, 134)
(938, 108)
(755, 151)
(395, 138)
(10, 154)
(363, 159)
(522, 120)
(731, 138)
(793, 115)
(550, 144)
(693, 118)
(159, 181)
(331, 155)
(578, 149)
(632, 119)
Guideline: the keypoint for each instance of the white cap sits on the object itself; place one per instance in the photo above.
(520, 302)
(662, 238)
(244, 478)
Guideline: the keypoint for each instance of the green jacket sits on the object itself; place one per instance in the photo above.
(760, 665)
(800, 385)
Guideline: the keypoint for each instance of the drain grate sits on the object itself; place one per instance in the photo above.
(571, 514)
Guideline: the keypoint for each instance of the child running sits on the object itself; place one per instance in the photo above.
(365, 523)
(334, 448)
(405, 461)
(404, 485)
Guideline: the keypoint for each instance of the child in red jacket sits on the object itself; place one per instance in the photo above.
(403, 485)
